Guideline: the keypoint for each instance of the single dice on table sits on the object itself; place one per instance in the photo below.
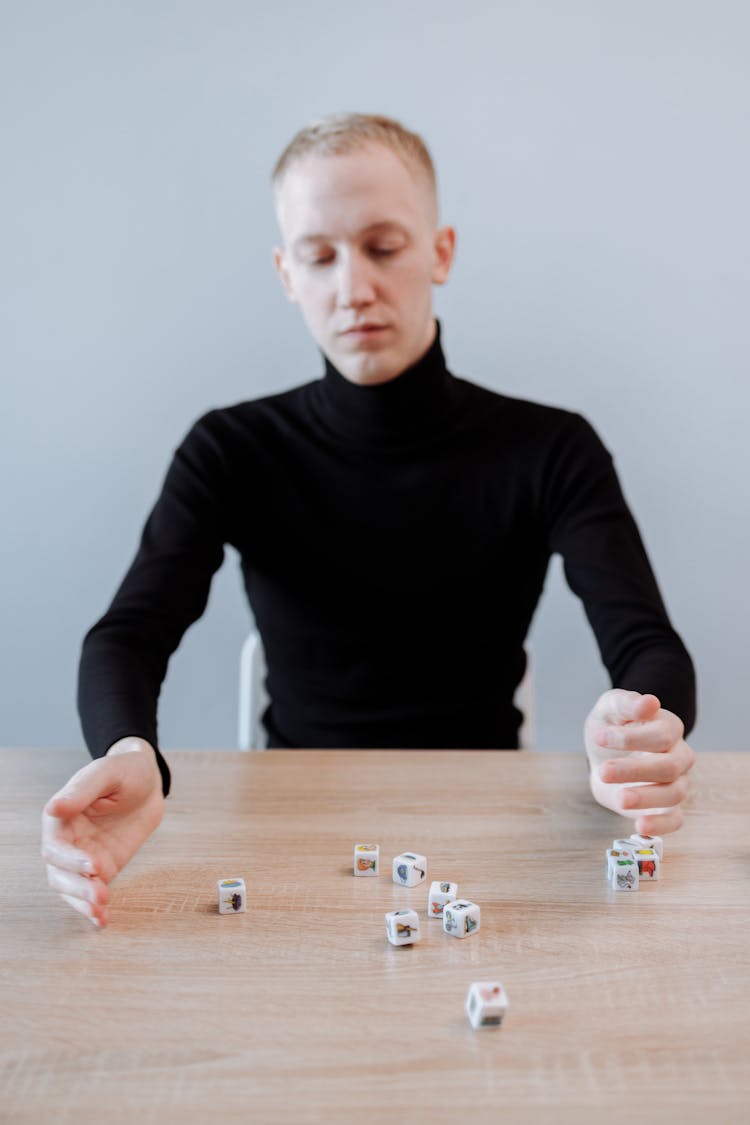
(402, 927)
(232, 896)
(486, 1003)
(366, 859)
(409, 869)
(622, 869)
(440, 893)
(461, 918)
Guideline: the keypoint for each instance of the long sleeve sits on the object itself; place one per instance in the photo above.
(606, 565)
(125, 655)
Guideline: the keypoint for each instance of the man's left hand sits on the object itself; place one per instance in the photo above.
(640, 762)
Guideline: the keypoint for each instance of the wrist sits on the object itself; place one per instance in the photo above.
(130, 745)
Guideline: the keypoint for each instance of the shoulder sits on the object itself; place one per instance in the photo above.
(227, 426)
(534, 424)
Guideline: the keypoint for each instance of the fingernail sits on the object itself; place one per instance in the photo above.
(88, 867)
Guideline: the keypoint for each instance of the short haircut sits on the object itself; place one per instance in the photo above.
(342, 133)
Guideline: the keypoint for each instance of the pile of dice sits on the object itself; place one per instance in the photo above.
(634, 860)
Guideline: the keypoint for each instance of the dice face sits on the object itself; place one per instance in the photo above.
(440, 893)
(461, 918)
(486, 1003)
(648, 863)
(624, 872)
(402, 927)
(618, 852)
(232, 896)
(409, 869)
(366, 859)
(654, 842)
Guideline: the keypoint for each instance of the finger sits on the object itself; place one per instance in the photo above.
(87, 910)
(655, 735)
(661, 768)
(96, 780)
(93, 891)
(652, 796)
(59, 853)
(659, 824)
(619, 706)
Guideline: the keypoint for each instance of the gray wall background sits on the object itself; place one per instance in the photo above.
(594, 159)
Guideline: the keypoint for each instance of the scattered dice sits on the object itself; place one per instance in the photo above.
(409, 869)
(402, 927)
(232, 896)
(461, 918)
(622, 869)
(366, 859)
(486, 1004)
(440, 893)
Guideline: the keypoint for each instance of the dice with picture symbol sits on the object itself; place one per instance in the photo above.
(461, 918)
(366, 859)
(654, 842)
(232, 896)
(402, 927)
(409, 869)
(440, 893)
(622, 868)
(486, 1004)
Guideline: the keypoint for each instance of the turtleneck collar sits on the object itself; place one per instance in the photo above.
(417, 399)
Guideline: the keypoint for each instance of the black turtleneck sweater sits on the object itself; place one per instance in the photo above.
(394, 542)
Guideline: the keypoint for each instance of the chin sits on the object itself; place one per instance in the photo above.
(367, 369)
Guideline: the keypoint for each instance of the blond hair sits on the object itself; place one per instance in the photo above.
(342, 133)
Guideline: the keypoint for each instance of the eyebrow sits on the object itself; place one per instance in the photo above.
(381, 226)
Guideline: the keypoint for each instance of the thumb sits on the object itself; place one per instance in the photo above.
(99, 778)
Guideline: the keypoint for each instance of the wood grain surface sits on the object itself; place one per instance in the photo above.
(623, 1008)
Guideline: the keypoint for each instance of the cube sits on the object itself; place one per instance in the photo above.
(623, 870)
(486, 1004)
(409, 869)
(619, 848)
(461, 918)
(232, 896)
(440, 893)
(648, 863)
(402, 927)
(366, 859)
(654, 842)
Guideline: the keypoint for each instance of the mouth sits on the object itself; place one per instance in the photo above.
(364, 330)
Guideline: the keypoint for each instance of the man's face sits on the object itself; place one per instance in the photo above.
(361, 254)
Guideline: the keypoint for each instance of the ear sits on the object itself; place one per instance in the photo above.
(279, 261)
(445, 248)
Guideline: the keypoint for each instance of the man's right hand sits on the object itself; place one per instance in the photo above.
(96, 823)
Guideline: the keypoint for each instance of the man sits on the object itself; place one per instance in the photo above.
(395, 525)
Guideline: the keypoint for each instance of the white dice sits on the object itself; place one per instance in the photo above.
(366, 859)
(622, 869)
(654, 842)
(402, 927)
(409, 869)
(486, 1003)
(232, 896)
(440, 893)
(461, 918)
(648, 863)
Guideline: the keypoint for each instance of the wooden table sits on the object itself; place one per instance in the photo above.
(623, 1008)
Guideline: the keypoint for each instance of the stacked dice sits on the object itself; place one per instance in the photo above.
(632, 860)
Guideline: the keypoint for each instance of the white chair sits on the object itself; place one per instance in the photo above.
(253, 698)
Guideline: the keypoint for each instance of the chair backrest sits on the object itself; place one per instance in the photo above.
(253, 697)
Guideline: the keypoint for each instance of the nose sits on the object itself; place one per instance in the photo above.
(355, 288)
